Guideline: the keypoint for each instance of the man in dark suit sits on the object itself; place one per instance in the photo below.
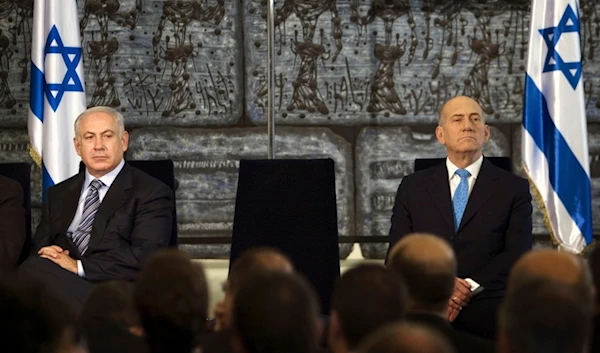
(103, 223)
(482, 210)
(427, 265)
(12, 222)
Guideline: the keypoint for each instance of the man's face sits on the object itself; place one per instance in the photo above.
(462, 128)
(98, 143)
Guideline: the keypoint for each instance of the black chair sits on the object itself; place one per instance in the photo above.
(163, 170)
(21, 172)
(290, 205)
(500, 162)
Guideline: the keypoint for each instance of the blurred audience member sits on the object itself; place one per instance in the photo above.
(108, 320)
(171, 297)
(551, 265)
(543, 316)
(33, 320)
(365, 298)
(249, 263)
(594, 264)
(427, 265)
(276, 312)
(405, 338)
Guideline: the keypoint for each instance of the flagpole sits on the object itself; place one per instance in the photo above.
(270, 80)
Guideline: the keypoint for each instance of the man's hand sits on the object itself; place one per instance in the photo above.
(52, 251)
(462, 293)
(63, 260)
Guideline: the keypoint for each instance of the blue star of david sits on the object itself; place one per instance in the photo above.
(571, 70)
(71, 56)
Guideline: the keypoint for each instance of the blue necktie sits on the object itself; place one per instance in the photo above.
(461, 197)
(81, 236)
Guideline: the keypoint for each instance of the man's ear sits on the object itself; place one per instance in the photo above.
(77, 145)
(439, 134)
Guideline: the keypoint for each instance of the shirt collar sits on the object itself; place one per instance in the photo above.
(107, 179)
(474, 168)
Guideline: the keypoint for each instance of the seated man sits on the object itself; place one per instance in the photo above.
(101, 224)
(482, 210)
(12, 222)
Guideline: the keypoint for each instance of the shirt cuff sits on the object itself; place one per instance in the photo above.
(80, 270)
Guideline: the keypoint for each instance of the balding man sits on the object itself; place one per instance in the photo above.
(552, 266)
(482, 210)
(427, 265)
(544, 315)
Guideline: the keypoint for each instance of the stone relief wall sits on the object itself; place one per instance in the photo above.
(358, 81)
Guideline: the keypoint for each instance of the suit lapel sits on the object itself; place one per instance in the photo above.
(484, 188)
(114, 198)
(70, 202)
(439, 189)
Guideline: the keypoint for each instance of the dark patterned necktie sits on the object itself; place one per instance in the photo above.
(81, 236)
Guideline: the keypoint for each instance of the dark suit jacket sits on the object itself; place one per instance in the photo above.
(495, 229)
(12, 222)
(461, 341)
(134, 219)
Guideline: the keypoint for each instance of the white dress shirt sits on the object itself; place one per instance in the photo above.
(107, 180)
(454, 179)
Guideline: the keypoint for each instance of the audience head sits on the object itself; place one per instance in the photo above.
(34, 320)
(110, 300)
(100, 139)
(276, 312)
(405, 338)
(461, 127)
(365, 298)
(552, 265)
(171, 297)
(427, 265)
(250, 262)
(544, 316)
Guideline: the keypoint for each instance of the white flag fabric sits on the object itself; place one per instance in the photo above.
(554, 145)
(57, 94)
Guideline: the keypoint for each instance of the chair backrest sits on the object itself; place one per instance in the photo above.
(290, 205)
(21, 172)
(500, 162)
(163, 170)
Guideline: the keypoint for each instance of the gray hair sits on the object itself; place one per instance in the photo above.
(108, 110)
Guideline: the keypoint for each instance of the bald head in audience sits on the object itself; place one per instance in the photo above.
(252, 261)
(405, 338)
(544, 315)
(551, 265)
(428, 267)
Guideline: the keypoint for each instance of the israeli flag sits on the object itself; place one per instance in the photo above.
(57, 94)
(554, 145)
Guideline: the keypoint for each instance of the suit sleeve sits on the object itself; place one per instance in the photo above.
(401, 218)
(151, 231)
(43, 235)
(517, 241)
(12, 224)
